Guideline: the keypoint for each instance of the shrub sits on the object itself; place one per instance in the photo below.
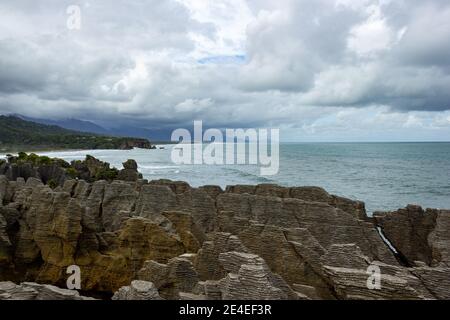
(44, 160)
(33, 158)
(22, 156)
(106, 174)
(52, 183)
(71, 172)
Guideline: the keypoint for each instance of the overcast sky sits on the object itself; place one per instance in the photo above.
(321, 70)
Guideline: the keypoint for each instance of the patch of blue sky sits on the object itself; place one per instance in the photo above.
(233, 59)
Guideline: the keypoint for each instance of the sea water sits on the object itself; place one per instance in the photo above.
(386, 176)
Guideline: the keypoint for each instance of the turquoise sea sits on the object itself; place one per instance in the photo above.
(385, 176)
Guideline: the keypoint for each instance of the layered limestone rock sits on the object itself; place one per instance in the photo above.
(408, 231)
(329, 225)
(292, 235)
(178, 275)
(435, 279)
(138, 290)
(3, 185)
(54, 230)
(254, 242)
(352, 275)
(129, 171)
(420, 236)
(5, 243)
(35, 291)
(350, 283)
(311, 194)
(249, 278)
(156, 198)
(207, 260)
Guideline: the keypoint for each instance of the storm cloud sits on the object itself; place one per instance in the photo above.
(318, 69)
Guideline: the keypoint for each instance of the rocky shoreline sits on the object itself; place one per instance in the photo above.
(139, 239)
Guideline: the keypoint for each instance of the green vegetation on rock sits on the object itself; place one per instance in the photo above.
(54, 171)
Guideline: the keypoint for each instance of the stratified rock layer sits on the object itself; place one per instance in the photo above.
(419, 235)
(247, 242)
(138, 290)
(35, 291)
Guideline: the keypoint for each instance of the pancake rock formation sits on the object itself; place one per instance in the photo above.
(135, 239)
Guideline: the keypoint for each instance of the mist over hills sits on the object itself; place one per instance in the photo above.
(70, 124)
(91, 127)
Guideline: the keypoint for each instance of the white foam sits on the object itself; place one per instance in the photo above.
(157, 167)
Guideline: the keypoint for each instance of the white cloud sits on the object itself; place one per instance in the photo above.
(229, 18)
(371, 36)
(193, 105)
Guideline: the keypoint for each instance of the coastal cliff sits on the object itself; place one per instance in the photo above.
(139, 239)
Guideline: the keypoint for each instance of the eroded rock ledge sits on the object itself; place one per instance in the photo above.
(165, 239)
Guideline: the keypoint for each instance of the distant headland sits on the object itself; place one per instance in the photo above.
(17, 134)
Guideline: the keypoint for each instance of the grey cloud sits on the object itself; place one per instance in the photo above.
(132, 62)
(62, 71)
(292, 43)
(290, 54)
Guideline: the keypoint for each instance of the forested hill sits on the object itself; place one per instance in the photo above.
(17, 134)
